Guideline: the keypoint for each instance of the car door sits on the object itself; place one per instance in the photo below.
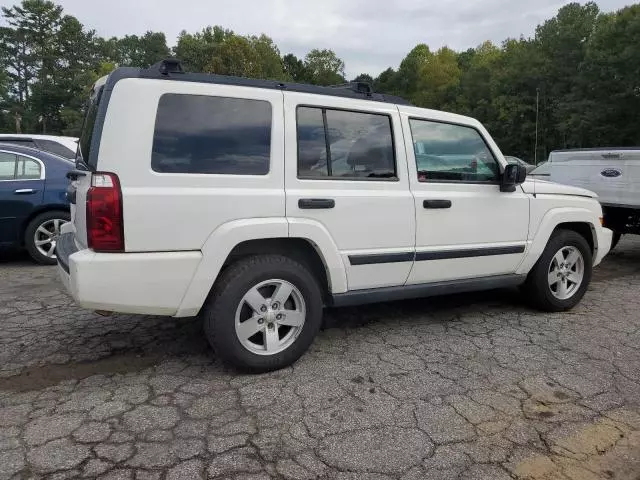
(346, 175)
(465, 226)
(21, 190)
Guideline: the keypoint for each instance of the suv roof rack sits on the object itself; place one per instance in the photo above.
(171, 69)
(359, 87)
(167, 66)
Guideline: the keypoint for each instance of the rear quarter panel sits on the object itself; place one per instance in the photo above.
(176, 211)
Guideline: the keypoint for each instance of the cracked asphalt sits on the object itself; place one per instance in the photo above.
(462, 387)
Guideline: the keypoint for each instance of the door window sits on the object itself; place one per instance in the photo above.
(216, 135)
(27, 169)
(338, 144)
(452, 153)
(7, 166)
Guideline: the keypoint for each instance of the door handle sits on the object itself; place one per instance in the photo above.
(24, 191)
(316, 203)
(436, 204)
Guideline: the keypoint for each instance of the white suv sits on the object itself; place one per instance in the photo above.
(255, 203)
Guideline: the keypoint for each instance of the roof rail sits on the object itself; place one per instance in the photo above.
(171, 69)
(167, 66)
(358, 87)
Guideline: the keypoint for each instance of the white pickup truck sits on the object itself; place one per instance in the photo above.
(612, 173)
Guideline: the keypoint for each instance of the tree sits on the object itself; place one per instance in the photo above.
(196, 50)
(606, 103)
(253, 57)
(34, 24)
(438, 77)
(364, 77)
(387, 82)
(271, 64)
(409, 71)
(295, 69)
(324, 67)
(562, 45)
(143, 51)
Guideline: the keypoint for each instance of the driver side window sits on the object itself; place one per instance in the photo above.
(452, 153)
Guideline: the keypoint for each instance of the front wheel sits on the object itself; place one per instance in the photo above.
(560, 278)
(264, 313)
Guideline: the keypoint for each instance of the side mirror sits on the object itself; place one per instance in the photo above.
(513, 175)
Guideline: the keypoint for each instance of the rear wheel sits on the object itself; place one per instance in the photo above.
(562, 274)
(264, 313)
(42, 233)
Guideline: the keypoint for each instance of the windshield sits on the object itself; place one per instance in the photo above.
(84, 143)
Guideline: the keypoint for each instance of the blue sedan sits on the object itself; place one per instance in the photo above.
(33, 203)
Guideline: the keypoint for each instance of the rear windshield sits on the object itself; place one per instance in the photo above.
(56, 148)
(84, 144)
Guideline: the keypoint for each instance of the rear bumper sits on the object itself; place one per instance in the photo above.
(144, 283)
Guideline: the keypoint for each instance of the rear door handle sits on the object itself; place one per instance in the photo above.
(24, 191)
(316, 203)
(436, 204)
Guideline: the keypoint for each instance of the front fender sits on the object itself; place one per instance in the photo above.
(549, 223)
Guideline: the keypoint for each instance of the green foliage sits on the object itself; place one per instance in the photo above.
(143, 51)
(196, 50)
(364, 77)
(582, 66)
(324, 67)
(295, 69)
(252, 57)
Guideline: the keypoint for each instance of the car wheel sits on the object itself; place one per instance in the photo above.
(560, 278)
(263, 313)
(41, 235)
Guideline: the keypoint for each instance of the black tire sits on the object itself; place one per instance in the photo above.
(218, 313)
(537, 289)
(30, 231)
(615, 239)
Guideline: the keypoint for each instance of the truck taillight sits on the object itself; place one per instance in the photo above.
(105, 227)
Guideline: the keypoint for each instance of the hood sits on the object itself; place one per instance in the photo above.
(542, 187)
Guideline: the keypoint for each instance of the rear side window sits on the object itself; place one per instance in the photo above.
(343, 144)
(27, 169)
(56, 148)
(214, 135)
(7, 166)
(19, 141)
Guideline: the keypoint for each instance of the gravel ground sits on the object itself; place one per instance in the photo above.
(467, 386)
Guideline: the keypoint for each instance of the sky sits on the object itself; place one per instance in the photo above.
(369, 35)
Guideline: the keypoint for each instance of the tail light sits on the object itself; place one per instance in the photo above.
(105, 226)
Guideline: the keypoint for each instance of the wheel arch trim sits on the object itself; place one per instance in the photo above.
(227, 236)
(553, 219)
